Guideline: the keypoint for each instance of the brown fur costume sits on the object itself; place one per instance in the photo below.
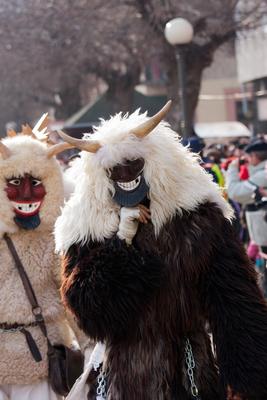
(207, 278)
(144, 300)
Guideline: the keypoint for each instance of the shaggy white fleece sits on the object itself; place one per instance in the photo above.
(176, 180)
(29, 156)
(36, 251)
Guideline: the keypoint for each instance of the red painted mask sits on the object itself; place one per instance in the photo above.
(26, 194)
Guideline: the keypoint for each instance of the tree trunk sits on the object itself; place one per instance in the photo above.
(120, 97)
(194, 78)
(197, 59)
(120, 91)
(173, 116)
(70, 99)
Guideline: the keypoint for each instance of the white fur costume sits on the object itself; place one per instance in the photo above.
(21, 377)
(181, 184)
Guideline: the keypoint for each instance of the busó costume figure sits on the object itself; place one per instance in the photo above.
(150, 259)
(31, 193)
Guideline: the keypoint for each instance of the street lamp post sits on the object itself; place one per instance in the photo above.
(179, 32)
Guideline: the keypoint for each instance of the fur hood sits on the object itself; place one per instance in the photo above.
(29, 155)
(177, 182)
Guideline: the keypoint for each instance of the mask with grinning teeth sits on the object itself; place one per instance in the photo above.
(126, 174)
(26, 194)
(129, 183)
(31, 182)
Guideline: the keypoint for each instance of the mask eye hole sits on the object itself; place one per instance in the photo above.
(15, 181)
(129, 162)
(36, 182)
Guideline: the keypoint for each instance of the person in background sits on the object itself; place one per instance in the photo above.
(243, 162)
(243, 191)
(211, 163)
(197, 145)
(237, 152)
(249, 193)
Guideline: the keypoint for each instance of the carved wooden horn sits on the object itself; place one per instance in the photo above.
(146, 127)
(41, 124)
(4, 150)
(58, 148)
(88, 145)
(140, 131)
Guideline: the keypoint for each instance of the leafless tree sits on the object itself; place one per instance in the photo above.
(49, 49)
(215, 23)
(54, 53)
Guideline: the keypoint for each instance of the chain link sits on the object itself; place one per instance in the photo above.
(190, 365)
(18, 328)
(101, 393)
(11, 330)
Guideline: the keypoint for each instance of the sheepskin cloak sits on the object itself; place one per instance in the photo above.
(36, 251)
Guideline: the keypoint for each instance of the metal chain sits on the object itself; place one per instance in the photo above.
(17, 329)
(101, 393)
(11, 330)
(190, 365)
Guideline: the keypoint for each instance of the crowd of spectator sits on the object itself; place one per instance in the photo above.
(240, 169)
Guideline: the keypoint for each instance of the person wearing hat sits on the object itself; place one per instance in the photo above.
(250, 194)
(243, 191)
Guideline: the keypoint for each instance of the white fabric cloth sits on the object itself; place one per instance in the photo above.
(38, 391)
(257, 226)
(80, 389)
(128, 223)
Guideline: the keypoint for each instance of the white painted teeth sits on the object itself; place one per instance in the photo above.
(26, 208)
(128, 186)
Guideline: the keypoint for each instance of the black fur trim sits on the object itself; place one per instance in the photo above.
(207, 276)
(109, 288)
(238, 318)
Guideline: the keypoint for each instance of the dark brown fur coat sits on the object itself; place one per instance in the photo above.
(145, 300)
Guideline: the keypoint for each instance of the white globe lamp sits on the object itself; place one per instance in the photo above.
(179, 31)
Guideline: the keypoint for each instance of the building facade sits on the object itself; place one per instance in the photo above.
(251, 53)
(217, 102)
